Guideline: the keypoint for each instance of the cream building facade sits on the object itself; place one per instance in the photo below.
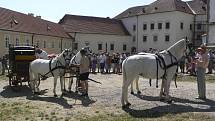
(100, 34)
(21, 29)
(211, 33)
(162, 23)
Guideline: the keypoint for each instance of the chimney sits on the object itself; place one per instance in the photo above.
(38, 17)
(31, 14)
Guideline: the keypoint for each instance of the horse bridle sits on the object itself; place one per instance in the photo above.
(86, 51)
(59, 64)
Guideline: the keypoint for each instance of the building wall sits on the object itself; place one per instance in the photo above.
(200, 29)
(52, 44)
(211, 35)
(92, 40)
(175, 32)
(129, 24)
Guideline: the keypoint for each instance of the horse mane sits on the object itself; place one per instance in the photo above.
(58, 56)
(174, 45)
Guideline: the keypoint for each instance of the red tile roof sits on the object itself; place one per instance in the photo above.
(198, 6)
(19, 22)
(92, 25)
(156, 7)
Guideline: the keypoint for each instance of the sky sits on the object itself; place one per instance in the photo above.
(54, 10)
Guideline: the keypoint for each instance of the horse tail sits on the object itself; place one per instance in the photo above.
(123, 70)
(31, 74)
(124, 82)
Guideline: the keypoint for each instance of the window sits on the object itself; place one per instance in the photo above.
(134, 27)
(167, 38)
(167, 25)
(191, 27)
(155, 38)
(27, 42)
(144, 26)
(37, 43)
(152, 26)
(52, 44)
(7, 41)
(134, 38)
(124, 47)
(87, 43)
(44, 44)
(65, 45)
(17, 41)
(99, 46)
(75, 46)
(182, 25)
(144, 38)
(199, 26)
(159, 25)
(59, 45)
(111, 46)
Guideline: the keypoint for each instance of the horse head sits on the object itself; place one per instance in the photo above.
(189, 48)
(68, 54)
(77, 58)
(86, 51)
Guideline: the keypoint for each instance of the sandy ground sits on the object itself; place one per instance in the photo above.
(105, 98)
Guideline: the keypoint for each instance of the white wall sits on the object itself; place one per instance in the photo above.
(212, 12)
(129, 23)
(175, 18)
(211, 34)
(95, 39)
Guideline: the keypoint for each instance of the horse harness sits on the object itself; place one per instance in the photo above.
(58, 65)
(161, 62)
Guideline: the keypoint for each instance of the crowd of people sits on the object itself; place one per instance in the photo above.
(188, 65)
(107, 63)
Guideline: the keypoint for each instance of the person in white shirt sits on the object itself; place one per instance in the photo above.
(102, 62)
(41, 54)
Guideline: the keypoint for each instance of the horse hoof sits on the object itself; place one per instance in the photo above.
(169, 101)
(132, 93)
(63, 94)
(162, 99)
(126, 106)
(55, 95)
(138, 92)
(36, 93)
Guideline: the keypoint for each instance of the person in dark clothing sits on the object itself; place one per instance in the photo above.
(4, 65)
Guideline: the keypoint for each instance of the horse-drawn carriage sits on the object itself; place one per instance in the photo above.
(19, 60)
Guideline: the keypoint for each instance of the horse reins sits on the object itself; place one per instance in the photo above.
(58, 65)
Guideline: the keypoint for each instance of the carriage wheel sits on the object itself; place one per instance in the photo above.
(14, 83)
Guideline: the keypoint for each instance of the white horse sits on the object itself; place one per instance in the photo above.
(74, 64)
(146, 66)
(136, 80)
(48, 68)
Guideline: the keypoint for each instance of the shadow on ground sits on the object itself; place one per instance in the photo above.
(25, 91)
(174, 108)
